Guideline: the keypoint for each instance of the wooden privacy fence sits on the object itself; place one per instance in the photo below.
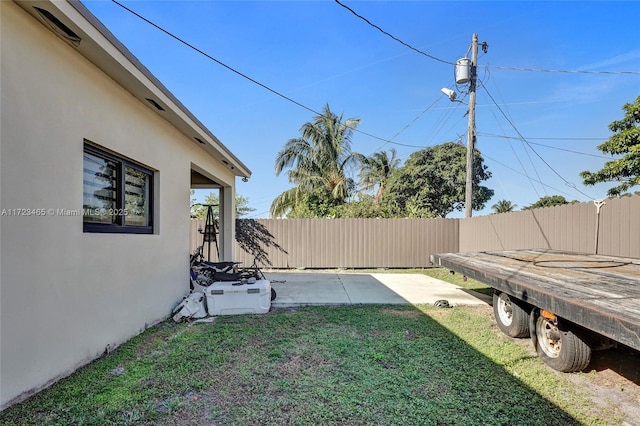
(408, 243)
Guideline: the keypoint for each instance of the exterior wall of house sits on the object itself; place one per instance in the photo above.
(69, 296)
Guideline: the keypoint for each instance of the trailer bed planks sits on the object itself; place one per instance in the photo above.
(600, 293)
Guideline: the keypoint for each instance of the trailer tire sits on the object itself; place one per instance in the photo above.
(559, 347)
(510, 315)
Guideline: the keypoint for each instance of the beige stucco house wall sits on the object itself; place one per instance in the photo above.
(67, 295)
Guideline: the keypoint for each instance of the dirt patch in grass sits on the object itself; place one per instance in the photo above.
(157, 339)
(226, 389)
(612, 379)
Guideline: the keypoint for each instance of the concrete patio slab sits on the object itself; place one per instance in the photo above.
(301, 288)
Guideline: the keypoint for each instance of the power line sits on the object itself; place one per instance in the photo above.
(439, 126)
(386, 140)
(275, 92)
(551, 146)
(531, 181)
(410, 124)
(523, 174)
(562, 71)
(264, 86)
(522, 138)
(415, 119)
(524, 170)
(547, 138)
(487, 66)
(392, 36)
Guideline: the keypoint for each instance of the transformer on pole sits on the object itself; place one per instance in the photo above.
(465, 72)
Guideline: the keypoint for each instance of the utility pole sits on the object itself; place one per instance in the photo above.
(471, 131)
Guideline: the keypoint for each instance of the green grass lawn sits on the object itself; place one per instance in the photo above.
(355, 365)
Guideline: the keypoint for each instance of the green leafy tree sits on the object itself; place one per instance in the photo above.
(376, 171)
(626, 142)
(317, 204)
(199, 210)
(503, 206)
(318, 162)
(366, 206)
(549, 201)
(432, 182)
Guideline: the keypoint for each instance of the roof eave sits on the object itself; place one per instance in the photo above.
(103, 49)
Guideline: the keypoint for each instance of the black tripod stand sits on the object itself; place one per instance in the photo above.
(210, 232)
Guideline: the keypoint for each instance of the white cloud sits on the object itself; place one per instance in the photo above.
(630, 59)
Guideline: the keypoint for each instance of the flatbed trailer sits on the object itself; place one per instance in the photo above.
(568, 303)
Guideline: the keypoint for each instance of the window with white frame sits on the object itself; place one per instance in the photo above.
(117, 193)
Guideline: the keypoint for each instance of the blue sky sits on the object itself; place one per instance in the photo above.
(317, 53)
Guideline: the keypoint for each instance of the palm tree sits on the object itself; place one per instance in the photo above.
(376, 170)
(317, 162)
(503, 206)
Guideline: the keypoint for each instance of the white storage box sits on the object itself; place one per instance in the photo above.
(225, 298)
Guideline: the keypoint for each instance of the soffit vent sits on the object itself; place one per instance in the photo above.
(58, 27)
(155, 104)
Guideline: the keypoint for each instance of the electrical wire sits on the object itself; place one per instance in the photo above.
(275, 92)
(515, 154)
(415, 119)
(522, 174)
(487, 66)
(439, 126)
(386, 141)
(264, 86)
(410, 124)
(531, 162)
(522, 138)
(548, 138)
(392, 36)
(562, 71)
(531, 181)
(550, 146)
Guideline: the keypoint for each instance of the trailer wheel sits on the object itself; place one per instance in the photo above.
(512, 319)
(273, 294)
(560, 348)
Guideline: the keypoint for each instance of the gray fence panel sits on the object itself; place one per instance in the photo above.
(619, 233)
(408, 243)
(355, 243)
(568, 227)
